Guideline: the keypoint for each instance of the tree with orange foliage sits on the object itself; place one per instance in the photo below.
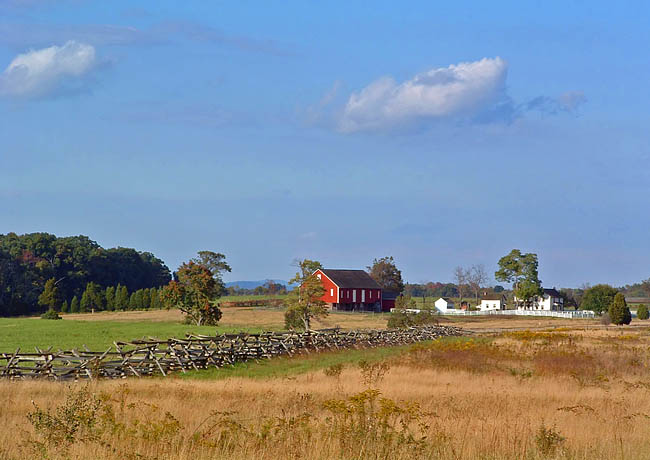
(194, 292)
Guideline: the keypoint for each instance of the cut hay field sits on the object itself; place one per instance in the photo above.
(568, 393)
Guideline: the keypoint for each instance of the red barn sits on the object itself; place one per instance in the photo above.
(350, 290)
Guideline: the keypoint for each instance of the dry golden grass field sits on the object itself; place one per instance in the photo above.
(273, 318)
(568, 392)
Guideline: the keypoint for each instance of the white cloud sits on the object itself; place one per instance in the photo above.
(48, 70)
(461, 90)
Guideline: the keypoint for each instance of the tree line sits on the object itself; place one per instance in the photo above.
(268, 288)
(29, 261)
(95, 298)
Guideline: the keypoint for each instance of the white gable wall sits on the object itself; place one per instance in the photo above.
(443, 305)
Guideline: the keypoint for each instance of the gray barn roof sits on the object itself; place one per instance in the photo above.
(351, 279)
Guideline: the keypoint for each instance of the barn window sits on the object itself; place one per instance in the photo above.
(332, 292)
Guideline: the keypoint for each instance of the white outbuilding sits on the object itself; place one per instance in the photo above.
(444, 304)
(492, 302)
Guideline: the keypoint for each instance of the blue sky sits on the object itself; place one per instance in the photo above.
(441, 134)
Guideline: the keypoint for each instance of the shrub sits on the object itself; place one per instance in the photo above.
(605, 319)
(373, 373)
(369, 426)
(50, 314)
(642, 312)
(334, 370)
(293, 319)
(400, 319)
(404, 302)
(74, 421)
(548, 440)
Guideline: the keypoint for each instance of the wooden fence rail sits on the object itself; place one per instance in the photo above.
(160, 357)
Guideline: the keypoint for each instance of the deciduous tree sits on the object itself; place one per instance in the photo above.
(598, 298)
(216, 263)
(304, 304)
(194, 293)
(522, 271)
(642, 312)
(461, 277)
(386, 274)
(476, 278)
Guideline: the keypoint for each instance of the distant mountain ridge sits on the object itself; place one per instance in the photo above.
(248, 284)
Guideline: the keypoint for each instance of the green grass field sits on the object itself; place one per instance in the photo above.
(27, 333)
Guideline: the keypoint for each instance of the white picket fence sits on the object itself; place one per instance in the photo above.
(554, 314)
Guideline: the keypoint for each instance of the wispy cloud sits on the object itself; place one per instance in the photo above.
(48, 71)
(37, 35)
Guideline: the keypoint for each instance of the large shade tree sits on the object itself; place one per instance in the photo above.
(598, 298)
(522, 271)
(386, 274)
(197, 288)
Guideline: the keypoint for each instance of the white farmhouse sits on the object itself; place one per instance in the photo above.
(550, 301)
(444, 304)
(491, 302)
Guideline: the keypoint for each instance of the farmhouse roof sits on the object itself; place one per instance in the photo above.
(351, 279)
(551, 292)
(492, 296)
(447, 299)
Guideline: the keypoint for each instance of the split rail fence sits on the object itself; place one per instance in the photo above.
(149, 357)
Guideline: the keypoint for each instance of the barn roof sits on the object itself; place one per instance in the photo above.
(645, 300)
(351, 278)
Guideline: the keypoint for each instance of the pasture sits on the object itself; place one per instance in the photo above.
(572, 393)
(514, 388)
(98, 330)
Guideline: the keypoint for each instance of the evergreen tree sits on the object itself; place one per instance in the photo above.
(64, 307)
(85, 304)
(619, 312)
(50, 298)
(139, 301)
(642, 312)
(146, 299)
(155, 301)
(94, 298)
(133, 301)
(74, 305)
(109, 295)
(121, 297)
